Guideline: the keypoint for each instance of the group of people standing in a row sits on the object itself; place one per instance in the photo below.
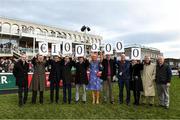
(134, 75)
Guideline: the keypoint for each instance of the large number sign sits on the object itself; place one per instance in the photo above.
(108, 49)
(79, 50)
(43, 48)
(119, 46)
(55, 49)
(67, 47)
(136, 53)
(95, 47)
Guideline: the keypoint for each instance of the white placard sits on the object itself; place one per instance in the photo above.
(119, 46)
(67, 47)
(43, 48)
(95, 47)
(108, 48)
(136, 53)
(55, 49)
(79, 50)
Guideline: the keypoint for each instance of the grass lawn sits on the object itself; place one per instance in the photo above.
(10, 109)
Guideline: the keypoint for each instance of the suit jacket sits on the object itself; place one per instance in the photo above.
(81, 72)
(124, 70)
(105, 68)
(20, 72)
(66, 72)
(55, 71)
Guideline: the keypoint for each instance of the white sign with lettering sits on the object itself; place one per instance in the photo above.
(95, 47)
(67, 47)
(136, 53)
(108, 48)
(119, 46)
(55, 49)
(79, 50)
(43, 48)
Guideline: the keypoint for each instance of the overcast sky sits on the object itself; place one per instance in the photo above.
(154, 23)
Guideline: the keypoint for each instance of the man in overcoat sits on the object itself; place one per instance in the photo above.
(20, 72)
(148, 79)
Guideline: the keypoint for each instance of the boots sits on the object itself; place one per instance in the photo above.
(97, 97)
(93, 97)
(20, 99)
(34, 95)
(51, 96)
(41, 97)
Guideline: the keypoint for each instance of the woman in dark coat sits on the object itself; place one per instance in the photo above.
(67, 78)
(136, 82)
(81, 77)
(54, 77)
(38, 80)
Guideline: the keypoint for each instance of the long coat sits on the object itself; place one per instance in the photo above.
(56, 71)
(20, 72)
(38, 80)
(66, 72)
(105, 68)
(148, 79)
(136, 81)
(81, 72)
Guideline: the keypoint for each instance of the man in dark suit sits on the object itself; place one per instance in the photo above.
(20, 72)
(54, 77)
(124, 72)
(109, 70)
(67, 78)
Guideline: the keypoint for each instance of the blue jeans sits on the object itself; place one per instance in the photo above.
(68, 87)
(121, 87)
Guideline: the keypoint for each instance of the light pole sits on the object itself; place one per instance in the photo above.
(84, 29)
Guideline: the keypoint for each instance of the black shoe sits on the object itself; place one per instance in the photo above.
(128, 104)
(166, 107)
(120, 102)
(33, 102)
(160, 105)
(150, 104)
(20, 105)
(112, 102)
(41, 102)
(84, 102)
(69, 102)
(24, 102)
(57, 101)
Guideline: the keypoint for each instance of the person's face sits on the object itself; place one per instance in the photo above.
(123, 58)
(147, 60)
(108, 57)
(23, 58)
(56, 59)
(134, 62)
(40, 58)
(81, 59)
(160, 60)
(94, 57)
(66, 59)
